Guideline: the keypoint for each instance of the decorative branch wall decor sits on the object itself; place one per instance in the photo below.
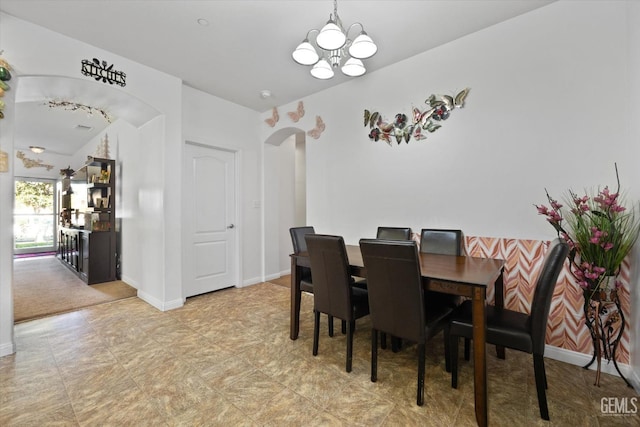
(73, 106)
(31, 163)
(439, 108)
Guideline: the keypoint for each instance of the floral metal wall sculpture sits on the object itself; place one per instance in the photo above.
(438, 109)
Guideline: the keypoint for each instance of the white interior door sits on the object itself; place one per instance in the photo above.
(209, 258)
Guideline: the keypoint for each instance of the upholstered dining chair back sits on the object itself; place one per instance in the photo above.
(394, 233)
(513, 329)
(395, 288)
(440, 241)
(542, 296)
(331, 278)
(334, 291)
(300, 245)
(396, 300)
(297, 238)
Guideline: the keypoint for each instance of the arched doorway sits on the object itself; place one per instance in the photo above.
(54, 111)
(284, 196)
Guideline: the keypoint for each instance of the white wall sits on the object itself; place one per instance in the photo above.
(218, 123)
(548, 108)
(7, 345)
(633, 18)
(33, 50)
(286, 202)
(536, 117)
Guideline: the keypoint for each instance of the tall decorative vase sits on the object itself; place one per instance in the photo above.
(606, 323)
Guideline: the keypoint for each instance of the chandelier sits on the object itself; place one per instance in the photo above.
(336, 49)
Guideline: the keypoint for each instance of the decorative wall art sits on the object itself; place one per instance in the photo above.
(67, 173)
(317, 131)
(5, 76)
(73, 106)
(100, 71)
(274, 118)
(298, 114)
(438, 109)
(32, 163)
(4, 161)
(102, 150)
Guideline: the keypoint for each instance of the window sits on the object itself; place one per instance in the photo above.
(34, 216)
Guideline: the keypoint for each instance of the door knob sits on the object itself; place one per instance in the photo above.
(231, 226)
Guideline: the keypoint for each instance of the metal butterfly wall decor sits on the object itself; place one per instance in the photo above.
(271, 121)
(438, 109)
(317, 131)
(298, 114)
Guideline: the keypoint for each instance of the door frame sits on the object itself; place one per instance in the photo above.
(237, 156)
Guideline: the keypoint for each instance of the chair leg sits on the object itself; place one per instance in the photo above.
(396, 344)
(316, 331)
(383, 338)
(344, 327)
(349, 344)
(374, 355)
(421, 363)
(453, 358)
(467, 345)
(330, 326)
(538, 368)
(447, 350)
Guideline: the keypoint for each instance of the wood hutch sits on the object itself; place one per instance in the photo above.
(87, 221)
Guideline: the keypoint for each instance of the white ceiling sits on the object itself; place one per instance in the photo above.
(246, 48)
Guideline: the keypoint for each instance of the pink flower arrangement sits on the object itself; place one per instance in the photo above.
(600, 232)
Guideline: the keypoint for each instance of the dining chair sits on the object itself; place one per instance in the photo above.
(394, 233)
(513, 329)
(441, 241)
(396, 300)
(300, 245)
(334, 293)
(445, 242)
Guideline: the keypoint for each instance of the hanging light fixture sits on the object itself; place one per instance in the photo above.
(336, 49)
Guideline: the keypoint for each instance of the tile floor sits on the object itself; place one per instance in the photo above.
(226, 359)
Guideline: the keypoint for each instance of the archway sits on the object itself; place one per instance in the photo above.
(34, 109)
(284, 195)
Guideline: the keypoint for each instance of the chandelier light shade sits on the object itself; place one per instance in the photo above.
(322, 70)
(36, 149)
(305, 54)
(353, 67)
(363, 47)
(334, 49)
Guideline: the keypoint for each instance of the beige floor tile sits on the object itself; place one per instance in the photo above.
(225, 359)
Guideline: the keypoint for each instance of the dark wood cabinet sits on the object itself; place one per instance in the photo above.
(87, 237)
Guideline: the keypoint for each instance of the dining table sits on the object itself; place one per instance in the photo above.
(457, 275)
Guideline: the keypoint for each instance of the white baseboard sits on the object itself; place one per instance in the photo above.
(581, 359)
(252, 281)
(129, 281)
(7, 349)
(272, 276)
(160, 305)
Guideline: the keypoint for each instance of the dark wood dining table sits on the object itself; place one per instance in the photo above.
(457, 275)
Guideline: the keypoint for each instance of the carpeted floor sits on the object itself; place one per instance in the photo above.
(42, 286)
